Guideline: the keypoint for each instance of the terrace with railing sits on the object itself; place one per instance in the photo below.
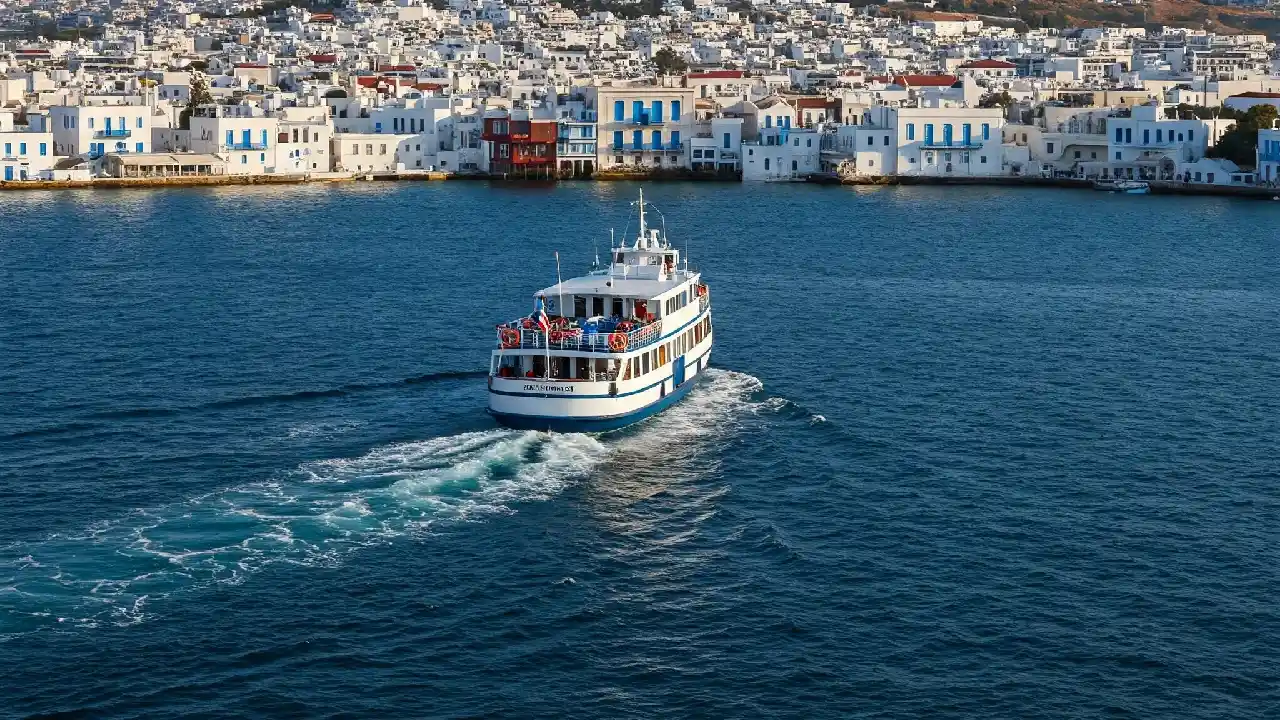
(113, 133)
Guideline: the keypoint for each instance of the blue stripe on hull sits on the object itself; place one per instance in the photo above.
(592, 424)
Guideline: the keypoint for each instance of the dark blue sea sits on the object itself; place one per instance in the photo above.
(963, 453)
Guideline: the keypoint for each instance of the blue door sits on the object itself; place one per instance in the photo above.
(677, 373)
(8, 172)
(108, 126)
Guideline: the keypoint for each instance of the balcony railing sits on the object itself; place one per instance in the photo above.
(247, 146)
(647, 119)
(113, 133)
(950, 144)
(1269, 157)
(649, 147)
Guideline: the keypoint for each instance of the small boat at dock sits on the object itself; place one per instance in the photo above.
(1126, 187)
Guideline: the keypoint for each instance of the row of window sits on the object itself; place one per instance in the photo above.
(100, 149)
(654, 359)
(246, 138)
(676, 302)
(22, 149)
(399, 125)
(368, 149)
(69, 123)
(966, 131)
(1125, 135)
(640, 114)
(637, 140)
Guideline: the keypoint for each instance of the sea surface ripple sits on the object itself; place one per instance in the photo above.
(963, 452)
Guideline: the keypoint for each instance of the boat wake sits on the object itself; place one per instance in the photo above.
(320, 512)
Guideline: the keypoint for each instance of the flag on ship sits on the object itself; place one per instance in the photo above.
(540, 316)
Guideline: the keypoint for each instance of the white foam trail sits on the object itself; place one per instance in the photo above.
(322, 511)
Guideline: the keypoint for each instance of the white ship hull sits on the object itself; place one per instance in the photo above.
(583, 406)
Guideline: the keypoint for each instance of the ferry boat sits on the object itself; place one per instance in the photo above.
(607, 349)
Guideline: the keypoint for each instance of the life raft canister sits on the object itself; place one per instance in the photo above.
(617, 342)
(510, 338)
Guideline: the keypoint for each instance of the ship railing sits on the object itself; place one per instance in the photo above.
(704, 300)
(584, 342)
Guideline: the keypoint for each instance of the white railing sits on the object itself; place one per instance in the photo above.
(578, 341)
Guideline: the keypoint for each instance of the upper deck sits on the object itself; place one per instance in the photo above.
(617, 309)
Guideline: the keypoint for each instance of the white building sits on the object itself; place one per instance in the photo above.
(25, 152)
(1269, 156)
(95, 130)
(303, 140)
(943, 141)
(643, 127)
(782, 154)
(375, 152)
(1146, 144)
(241, 134)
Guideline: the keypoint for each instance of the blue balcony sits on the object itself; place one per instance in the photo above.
(248, 146)
(950, 144)
(113, 133)
(647, 119)
(1269, 157)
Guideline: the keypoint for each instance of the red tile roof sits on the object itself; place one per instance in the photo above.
(925, 80)
(399, 68)
(717, 75)
(323, 59)
(1255, 94)
(989, 64)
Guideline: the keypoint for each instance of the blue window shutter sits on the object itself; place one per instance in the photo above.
(675, 139)
(657, 139)
(637, 139)
(44, 148)
(986, 131)
(22, 148)
(264, 138)
(137, 147)
(656, 111)
(1119, 134)
(8, 149)
(726, 141)
(637, 109)
(618, 111)
(231, 137)
(911, 131)
(139, 122)
(617, 138)
(768, 121)
(675, 110)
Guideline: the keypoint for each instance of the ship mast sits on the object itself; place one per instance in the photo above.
(643, 230)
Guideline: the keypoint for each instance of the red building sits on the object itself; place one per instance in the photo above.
(521, 146)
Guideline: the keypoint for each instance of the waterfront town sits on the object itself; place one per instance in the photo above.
(766, 90)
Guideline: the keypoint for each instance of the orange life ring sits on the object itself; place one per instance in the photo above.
(510, 338)
(617, 342)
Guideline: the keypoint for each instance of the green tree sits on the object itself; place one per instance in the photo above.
(668, 63)
(1240, 143)
(200, 95)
